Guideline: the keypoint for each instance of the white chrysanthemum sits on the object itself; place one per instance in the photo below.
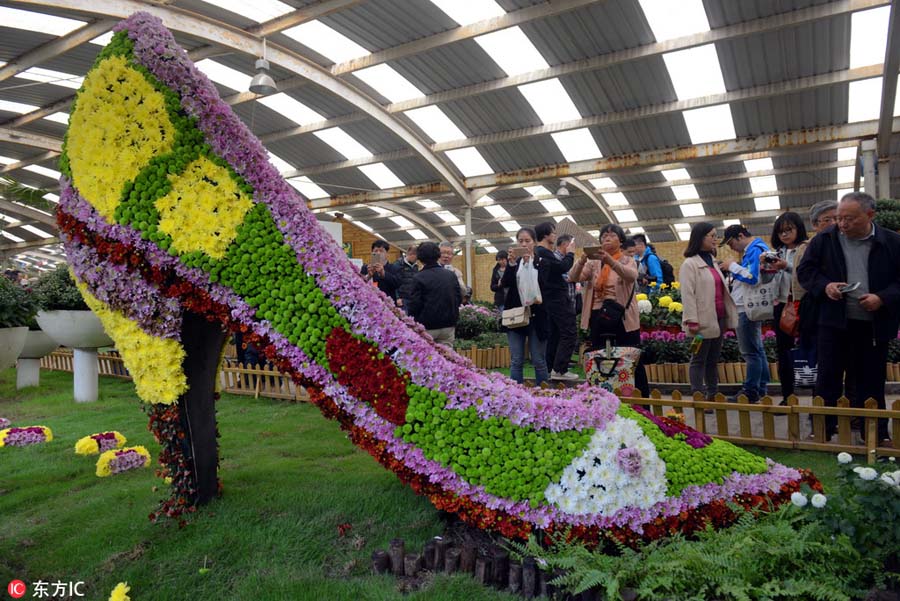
(595, 484)
(799, 499)
(868, 473)
(819, 500)
(844, 458)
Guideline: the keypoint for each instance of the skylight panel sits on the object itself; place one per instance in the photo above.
(615, 199)
(844, 192)
(103, 40)
(692, 210)
(674, 175)
(8, 160)
(401, 221)
(625, 215)
(511, 226)
(226, 76)
(16, 107)
(683, 227)
(51, 197)
(759, 165)
(58, 118)
(447, 216)
(466, 12)
(695, 72)
(727, 222)
(483, 241)
(558, 218)
(12, 237)
(436, 124)
(291, 108)
(537, 190)
(380, 211)
(341, 141)
(57, 78)
(577, 145)
(307, 188)
(469, 161)
(280, 164)
(417, 234)
(845, 174)
(427, 203)
(554, 206)
(710, 124)
(684, 236)
(512, 51)
(868, 36)
(364, 226)
(636, 230)
(497, 211)
(687, 192)
(326, 41)
(670, 19)
(491, 249)
(37, 21)
(848, 153)
(762, 184)
(601, 183)
(45, 171)
(36, 231)
(550, 101)
(259, 10)
(865, 100)
(381, 175)
(767, 203)
(459, 229)
(385, 80)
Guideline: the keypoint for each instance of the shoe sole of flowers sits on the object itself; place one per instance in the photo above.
(166, 190)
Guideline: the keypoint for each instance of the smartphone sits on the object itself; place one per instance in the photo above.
(517, 251)
(849, 288)
(593, 252)
(377, 259)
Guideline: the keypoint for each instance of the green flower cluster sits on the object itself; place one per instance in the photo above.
(509, 461)
(261, 268)
(687, 466)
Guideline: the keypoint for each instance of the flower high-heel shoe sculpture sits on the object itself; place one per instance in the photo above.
(176, 226)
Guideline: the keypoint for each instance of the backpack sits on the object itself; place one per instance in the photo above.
(667, 270)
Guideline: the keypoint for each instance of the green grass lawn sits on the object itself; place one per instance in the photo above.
(290, 478)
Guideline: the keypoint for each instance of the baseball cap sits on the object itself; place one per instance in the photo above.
(733, 231)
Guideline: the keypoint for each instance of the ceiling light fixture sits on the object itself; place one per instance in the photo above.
(262, 83)
(563, 190)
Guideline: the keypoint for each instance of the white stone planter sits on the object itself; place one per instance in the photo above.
(83, 332)
(11, 342)
(28, 367)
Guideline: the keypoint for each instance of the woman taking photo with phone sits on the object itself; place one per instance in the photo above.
(611, 278)
(537, 331)
(708, 310)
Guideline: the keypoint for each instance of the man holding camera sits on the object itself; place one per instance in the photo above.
(378, 272)
(851, 269)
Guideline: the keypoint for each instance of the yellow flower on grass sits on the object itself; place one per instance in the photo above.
(676, 285)
(640, 297)
(120, 593)
(120, 122)
(203, 209)
(103, 469)
(664, 301)
(155, 363)
(89, 445)
(663, 286)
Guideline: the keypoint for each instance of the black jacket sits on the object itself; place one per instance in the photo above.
(405, 272)
(387, 284)
(435, 297)
(551, 271)
(823, 262)
(539, 323)
(497, 287)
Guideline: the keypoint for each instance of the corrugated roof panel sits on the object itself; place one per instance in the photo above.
(728, 12)
(498, 111)
(621, 87)
(638, 179)
(412, 171)
(700, 169)
(656, 132)
(377, 24)
(305, 151)
(448, 67)
(374, 136)
(726, 188)
(816, 108)
(31, 92)
(522, 154)
(804, 158)
(46, 128)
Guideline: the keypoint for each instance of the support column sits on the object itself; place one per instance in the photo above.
(469, 267)
(868, 168)
(884, 178)
(86, 375)
(28, 373)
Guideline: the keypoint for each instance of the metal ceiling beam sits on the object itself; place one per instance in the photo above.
(586, 190)
(13, 246)
(50, 154)
(236, 39)
(21, 211)
(466, 32)
(730, 32)
(25, 138)
(56, 47)
(411, 216)
(889, 84)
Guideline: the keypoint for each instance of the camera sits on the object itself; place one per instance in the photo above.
(770, 257)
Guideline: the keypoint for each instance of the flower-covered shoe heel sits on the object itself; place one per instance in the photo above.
(176, 226)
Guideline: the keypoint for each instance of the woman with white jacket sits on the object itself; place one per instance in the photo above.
(708, 308)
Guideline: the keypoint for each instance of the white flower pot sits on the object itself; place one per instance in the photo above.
(28, 367)
(74, 329)
(11, 342)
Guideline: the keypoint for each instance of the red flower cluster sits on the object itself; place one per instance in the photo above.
(368, 374)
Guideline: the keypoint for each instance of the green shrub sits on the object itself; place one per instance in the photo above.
(475, 320)
(17, 306)
(887, 214)
(56, 291)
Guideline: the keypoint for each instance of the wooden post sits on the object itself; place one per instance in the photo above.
(440, 553)
(819, 420)
(451, 560)
(722, 376)
(515, 577)
(744, 416)
(845, 436)
(381, 562)
(793, 419)
(483, 570)
(721, 422)
(699, 413)
(396, 551)
(467, 558)
(871, 432)
(768, 419)
(895, 424)
(656, 409)
(428, 555)
(500, 568)
(412, 564)
(529, 578)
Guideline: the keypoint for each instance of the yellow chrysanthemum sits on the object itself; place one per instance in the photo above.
(120, 593)
(86, 446)
(120, 122)
(676, 285)
(3, 434)
(640, 296)
(155, 363)
(48, 434)
(663, 286)
(203, 209)
(103, 469)
(675, 308)
(664, 301)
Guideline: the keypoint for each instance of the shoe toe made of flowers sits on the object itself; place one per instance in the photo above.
(177, 200)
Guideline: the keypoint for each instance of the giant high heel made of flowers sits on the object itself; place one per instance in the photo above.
(176, 226)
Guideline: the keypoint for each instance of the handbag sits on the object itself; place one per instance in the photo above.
(527, 283)
(759, 301)
(612, 310)
(612, 368)
(790, 318)
(519, 317)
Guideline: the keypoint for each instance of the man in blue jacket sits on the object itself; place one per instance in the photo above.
(749, 333)
(855, 325)
(650, 274)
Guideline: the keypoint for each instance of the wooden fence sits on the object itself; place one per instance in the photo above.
(741, 423)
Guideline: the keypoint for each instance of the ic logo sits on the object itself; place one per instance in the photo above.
(16, 589)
